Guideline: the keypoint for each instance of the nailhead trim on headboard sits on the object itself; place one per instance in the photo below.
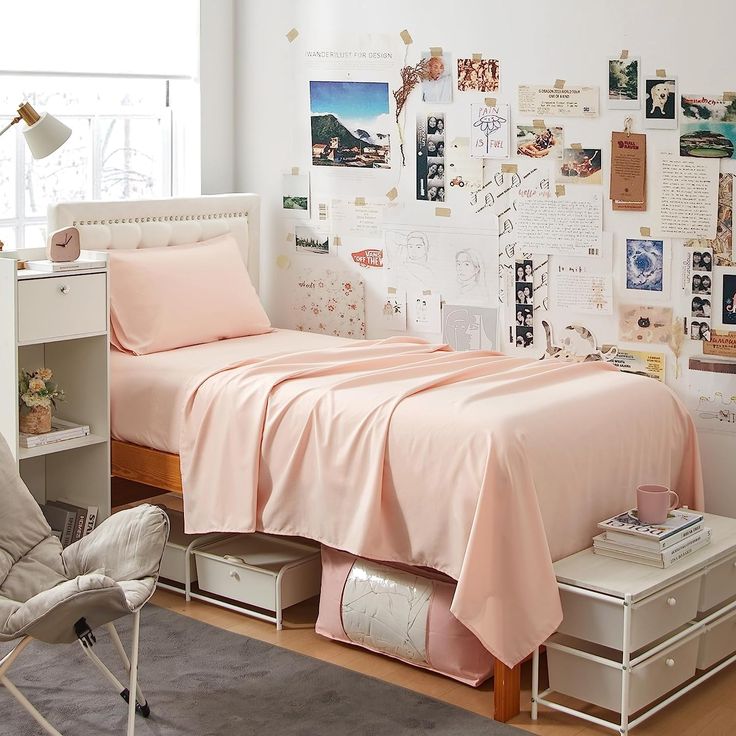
(160, 218)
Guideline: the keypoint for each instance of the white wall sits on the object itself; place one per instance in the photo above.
(537, 42)
(217, 83)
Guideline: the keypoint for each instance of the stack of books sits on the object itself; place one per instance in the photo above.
(660, 545)
(60, 430)
(81, 264)
(69, 522)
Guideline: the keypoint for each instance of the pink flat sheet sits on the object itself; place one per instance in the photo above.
(147, 391)
(482, 466)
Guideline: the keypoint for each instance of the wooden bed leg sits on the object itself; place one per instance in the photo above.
(506, 691)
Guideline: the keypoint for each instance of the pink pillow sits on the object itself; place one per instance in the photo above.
(170, 297)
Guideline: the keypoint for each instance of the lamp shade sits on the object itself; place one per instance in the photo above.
(46, 135)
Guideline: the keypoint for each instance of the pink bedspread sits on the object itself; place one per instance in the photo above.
(482, 466)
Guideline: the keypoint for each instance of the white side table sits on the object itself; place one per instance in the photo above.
(635, 638)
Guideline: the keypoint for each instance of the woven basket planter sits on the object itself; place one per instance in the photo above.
(36, 420)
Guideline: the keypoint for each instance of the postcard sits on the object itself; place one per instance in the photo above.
(478, 75)
(430, 171)
(623, 83)
(580, 166)
(707, 126)
(647, 266)
(539, 142)
(393, 312)
(466, 327)
(295, 195)
(350, 124)
(311, 240)
(555, 102)
(724, 298)
(489, 131)
(437, 88)
(660, 103)
(424, 312)
(643, 323)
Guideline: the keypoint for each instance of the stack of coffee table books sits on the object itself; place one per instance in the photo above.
(60, 430)
(660, 545)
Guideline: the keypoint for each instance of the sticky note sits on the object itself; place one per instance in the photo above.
(442, 211)
(560, 190)
(406, 36)
(645, 232)
(435, 50)
(283, 262)
(559, 83)
(360, 201)
(391, 194)
(490, 101)
(509, 168)
(292, 34)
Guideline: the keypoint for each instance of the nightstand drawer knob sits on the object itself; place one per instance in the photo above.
(669, 662)
(672, 601)
(234, 574)
(64, 289)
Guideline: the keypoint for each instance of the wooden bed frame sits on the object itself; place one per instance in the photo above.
(161, 471)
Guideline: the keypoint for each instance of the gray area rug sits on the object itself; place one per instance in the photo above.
(205, 681)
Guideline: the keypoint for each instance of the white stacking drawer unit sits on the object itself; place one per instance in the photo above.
(634, 638)
(258, 571)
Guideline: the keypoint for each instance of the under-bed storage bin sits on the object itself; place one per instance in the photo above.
(174, 562)
(401, 612)
(259, 570)
(598, 683)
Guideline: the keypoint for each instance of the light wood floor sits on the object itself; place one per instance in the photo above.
(709, 710)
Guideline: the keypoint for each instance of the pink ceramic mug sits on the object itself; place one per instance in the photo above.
(653, 503)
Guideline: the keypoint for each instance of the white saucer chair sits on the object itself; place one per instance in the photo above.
(60, 595)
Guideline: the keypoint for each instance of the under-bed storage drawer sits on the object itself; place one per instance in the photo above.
(61, 306)
(259, 570)
(602, 621)
(719, 584)
(598, 683)
(718, 641)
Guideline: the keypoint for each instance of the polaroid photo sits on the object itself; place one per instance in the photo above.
(660, 103)
(437, 87)
(724, 299)
(623, 83)
(311, 240)
(295, 195)
(539, 142)
(524, 292)
(478, 75)
(700, 329)
(580, 166)
(524, 337)
(647, 266)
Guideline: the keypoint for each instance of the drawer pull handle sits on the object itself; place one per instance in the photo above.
(669, 662)
(64, 289)
(234, 574)
(672, 601)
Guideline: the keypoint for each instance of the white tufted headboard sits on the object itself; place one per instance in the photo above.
(147, 223)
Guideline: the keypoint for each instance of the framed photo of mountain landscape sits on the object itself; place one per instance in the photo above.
(707, 126)
(350, 124)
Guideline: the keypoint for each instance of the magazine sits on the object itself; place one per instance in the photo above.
(629, 523)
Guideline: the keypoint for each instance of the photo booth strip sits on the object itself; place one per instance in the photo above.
(700, 293)
(430, 170)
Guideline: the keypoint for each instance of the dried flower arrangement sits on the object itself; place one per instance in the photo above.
(411, 76)
(37, 393)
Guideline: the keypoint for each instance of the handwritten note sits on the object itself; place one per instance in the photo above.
(359, 221)
(584, 285)
(688, 197)
(489, 131)
(564, 226)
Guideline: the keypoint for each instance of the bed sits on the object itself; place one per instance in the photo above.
(515, 460)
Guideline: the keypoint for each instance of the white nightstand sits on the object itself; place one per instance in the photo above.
(58, 321)
(635, 638)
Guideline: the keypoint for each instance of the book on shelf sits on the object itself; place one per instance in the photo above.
(73, 522)
(61, 266)
(60, 430)
(628, 523)
(665, 558)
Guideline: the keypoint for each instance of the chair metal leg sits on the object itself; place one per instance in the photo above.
(126, 662)
(133, 687)
(18, 695)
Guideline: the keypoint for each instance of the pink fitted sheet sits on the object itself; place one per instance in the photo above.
(147, 391)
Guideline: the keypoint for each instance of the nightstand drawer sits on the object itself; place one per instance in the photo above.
(61, 306)
(602, 621)
(719, 584)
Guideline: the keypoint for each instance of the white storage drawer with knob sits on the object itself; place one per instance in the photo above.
(260, 570)
(634, 638)
(65, 306)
